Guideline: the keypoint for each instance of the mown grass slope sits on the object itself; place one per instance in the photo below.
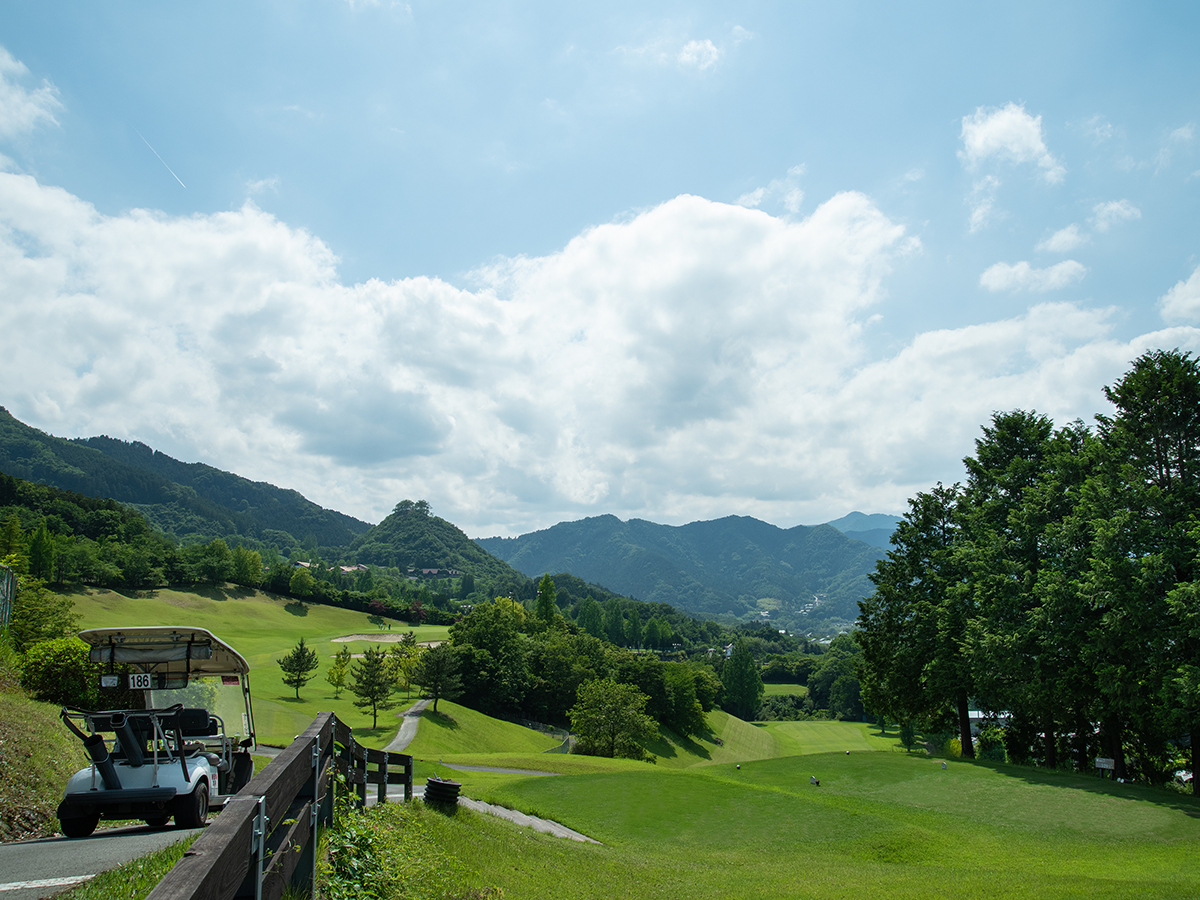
(880, 824)
(37, 756)
(262, 628)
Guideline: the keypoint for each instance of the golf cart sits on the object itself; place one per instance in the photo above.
(187, 751)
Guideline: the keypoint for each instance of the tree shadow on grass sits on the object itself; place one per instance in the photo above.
(439, 720)
(292, 699)
(296, 608)
(1100, 786)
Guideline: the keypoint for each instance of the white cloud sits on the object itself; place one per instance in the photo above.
(694, 360)
(1009, 134)
(982, 201)
(1098, 128)
(1182, 302)
(699, 55)
(22, 110)
(1024, 277)
(694, 55)
(786, 190)
(258, 185)
(1105, 215)
(1064, 240)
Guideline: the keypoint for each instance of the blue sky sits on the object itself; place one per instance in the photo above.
(533, 262)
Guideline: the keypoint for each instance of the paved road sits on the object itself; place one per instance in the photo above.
(408, 727)
(67, 861)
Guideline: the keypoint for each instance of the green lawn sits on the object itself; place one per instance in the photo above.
(263, 628)
(776, 690)
(880, 824)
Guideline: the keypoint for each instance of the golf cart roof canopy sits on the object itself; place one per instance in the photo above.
(165, 648)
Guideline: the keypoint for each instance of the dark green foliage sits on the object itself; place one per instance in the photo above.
(546, 604)
(493, 655)
(58, 671)
(437, 672)
(742, 685)
(412, 537)
(717, 567)
(39, 614)
(372, 683)
(609, 719)
(180, 498)
(1057, 586)
(298, 666)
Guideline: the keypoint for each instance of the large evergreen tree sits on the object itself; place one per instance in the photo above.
(372, 683)
(742, 683)
(298, 666)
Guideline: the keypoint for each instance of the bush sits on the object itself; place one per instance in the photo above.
(59, 672)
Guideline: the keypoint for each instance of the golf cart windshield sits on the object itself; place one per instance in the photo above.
(183, 665)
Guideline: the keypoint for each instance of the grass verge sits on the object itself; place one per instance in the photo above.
(133, 880)
(37, 756)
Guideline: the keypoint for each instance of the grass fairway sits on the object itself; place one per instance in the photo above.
(455, 730)
(262, 628)
(779, 690)
(882, 825)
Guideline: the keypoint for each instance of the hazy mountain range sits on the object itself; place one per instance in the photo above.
(736, 566)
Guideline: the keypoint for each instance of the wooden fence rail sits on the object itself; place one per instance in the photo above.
(266, 836)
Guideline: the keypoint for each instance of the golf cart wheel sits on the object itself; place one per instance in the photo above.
(79, 826)
(158, 821)
(192, 810)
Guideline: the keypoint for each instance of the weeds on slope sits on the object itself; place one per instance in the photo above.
(388, 852)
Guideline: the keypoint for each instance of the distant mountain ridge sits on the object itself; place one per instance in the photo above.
(874, 529)
(190, 501)
(718, 567)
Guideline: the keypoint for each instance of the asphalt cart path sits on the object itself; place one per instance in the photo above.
(40, 868)
(408, 727)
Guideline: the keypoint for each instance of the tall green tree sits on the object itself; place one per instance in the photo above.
(1146, 550)
(372, 683)
(912, 630)
(546, 606)
(298, 666)
(741, 682)
(339, 669)
(41, 554)
(437, 671)
(610, 720)
(591, 618)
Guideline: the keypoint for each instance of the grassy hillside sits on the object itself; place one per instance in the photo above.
(37, 756)
(262, 628)
(880, 824)
(885, 824)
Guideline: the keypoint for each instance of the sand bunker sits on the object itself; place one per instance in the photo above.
(383, 637)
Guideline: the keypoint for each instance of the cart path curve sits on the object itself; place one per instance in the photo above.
(408, 727)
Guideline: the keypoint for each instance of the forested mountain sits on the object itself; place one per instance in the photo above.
(412, 537)
(720, 567)
(190, 502)
(875, 529)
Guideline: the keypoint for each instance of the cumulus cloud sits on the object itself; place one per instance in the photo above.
(1064, 240)
(696, 55)
(1105, 215)
(699, 55)
(1008, 134)
(1024, 277)
(694, 360)
(22, 110)
(1182, 302)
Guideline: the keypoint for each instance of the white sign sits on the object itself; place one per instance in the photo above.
(140, 681)
(109, 681)
(1104, 763)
